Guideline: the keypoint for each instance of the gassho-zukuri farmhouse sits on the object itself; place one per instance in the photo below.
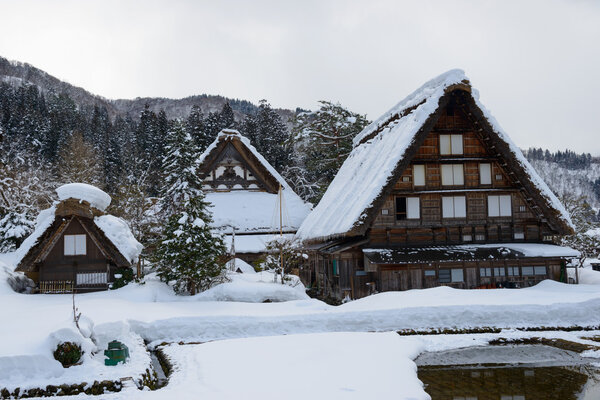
(76, 245)
(435, 193)
(251, 202)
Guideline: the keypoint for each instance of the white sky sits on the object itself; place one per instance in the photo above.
(536, 63)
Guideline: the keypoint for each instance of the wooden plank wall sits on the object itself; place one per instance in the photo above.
(431, 228)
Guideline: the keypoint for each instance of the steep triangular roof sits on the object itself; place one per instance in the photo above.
(385, 148)
(260, 166)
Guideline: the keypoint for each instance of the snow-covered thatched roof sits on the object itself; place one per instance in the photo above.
(384, 148)
(251, 211)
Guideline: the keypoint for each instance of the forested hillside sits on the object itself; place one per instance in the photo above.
(53, 133)
(569, 173)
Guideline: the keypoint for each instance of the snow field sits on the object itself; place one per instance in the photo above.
(266, 347)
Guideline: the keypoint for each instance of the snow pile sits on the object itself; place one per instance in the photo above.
(255, 288)
(28, 368)
(322, 360)
(118, 232)
(43, 221)
(588, 276)
(368, 169)
(82, 191)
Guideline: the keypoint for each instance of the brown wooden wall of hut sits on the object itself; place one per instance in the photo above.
(58, 267)
(431, 227)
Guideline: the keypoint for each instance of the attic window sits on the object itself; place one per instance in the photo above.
(450, 110)
(451, 144)
(75, 245)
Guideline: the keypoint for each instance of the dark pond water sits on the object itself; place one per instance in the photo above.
(509, 373)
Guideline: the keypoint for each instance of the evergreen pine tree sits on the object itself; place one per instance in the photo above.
(212, 126)
(188, 254)
(269, 135)
(226, 118)
(195, 127)
(79, 162)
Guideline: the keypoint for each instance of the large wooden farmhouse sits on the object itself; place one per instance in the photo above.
(435, 193)
(243, 189)
(76, 246)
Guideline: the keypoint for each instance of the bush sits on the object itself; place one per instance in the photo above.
(67, 353)
(126, 277)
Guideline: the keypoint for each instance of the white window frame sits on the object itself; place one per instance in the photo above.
(453, 175)
(499, 205)
(413, 208)
(454, 207)
(419, 175)
(75, 245)
(451, 144)
(485, 173)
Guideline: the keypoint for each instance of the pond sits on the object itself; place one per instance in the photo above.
(515, 372)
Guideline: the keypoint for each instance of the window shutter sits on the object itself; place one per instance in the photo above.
(485, 174)
(447, 175)
(69, 245)
(505, 206)
(457, 144)
(445, 144)
(458, 174)
(493, 206)
(419, 175)
(447, 207)
(460, 207)
(412, 208)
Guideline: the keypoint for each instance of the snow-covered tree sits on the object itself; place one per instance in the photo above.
(586, 238)
(79, 162)
(180, 180)
(323, 140)
(188, 254)
(25, 189)
(269, 135)
(283, 255)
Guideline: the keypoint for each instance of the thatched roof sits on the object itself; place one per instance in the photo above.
(384, 149)
(264, 170)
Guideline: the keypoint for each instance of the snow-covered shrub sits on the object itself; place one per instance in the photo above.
(67, 353)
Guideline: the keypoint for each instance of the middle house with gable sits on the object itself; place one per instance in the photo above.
(250, 201)
(435, 193)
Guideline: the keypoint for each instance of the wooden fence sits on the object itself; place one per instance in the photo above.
(56, 287)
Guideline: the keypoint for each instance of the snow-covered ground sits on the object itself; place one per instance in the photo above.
(234, 312)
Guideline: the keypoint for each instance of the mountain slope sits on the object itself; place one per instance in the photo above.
(17, 73)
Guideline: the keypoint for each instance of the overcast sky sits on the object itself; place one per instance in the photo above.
(535, 63)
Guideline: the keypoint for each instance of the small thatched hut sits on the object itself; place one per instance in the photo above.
(75, 245)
